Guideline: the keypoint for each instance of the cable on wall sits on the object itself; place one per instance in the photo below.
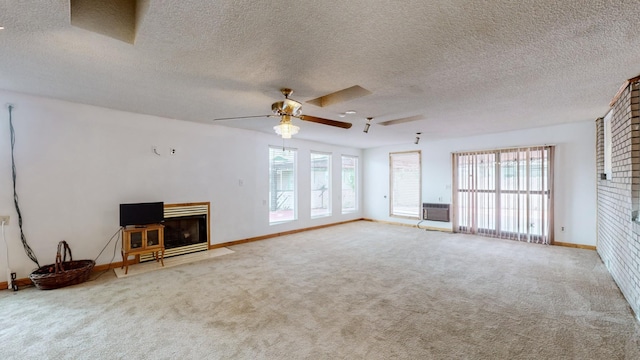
(115, 246)
(25, 245)
(9, 282)
(109, 242)
(426, 228)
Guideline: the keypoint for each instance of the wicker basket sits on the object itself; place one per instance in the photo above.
(62, 273)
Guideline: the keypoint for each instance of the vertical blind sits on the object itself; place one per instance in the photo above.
(405, 182)
(505, 193)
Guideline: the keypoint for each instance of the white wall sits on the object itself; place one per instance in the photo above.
(574, 180)
(76, 163)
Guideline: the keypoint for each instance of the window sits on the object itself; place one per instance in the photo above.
(282, 185)
(349, 184)
(607, 145)
(320, 184)
(505, 193)
(405, 179)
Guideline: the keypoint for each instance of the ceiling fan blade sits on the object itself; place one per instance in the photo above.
(243, 117)
(401, 120)
(340, 124)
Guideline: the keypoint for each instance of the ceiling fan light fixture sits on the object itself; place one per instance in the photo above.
(286, 129)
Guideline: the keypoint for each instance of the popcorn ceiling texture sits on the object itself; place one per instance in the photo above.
(467, 67)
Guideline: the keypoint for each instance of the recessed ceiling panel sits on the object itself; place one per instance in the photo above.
(113, 18)
(343, 95)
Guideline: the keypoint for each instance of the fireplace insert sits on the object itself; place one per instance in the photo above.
(184, 231)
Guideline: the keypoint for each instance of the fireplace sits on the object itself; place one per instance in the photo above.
(186, 229)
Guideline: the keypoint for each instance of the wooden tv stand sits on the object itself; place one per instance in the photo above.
(138, 240)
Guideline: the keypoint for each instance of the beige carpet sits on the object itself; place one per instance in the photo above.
(148, 266)
(355, 291)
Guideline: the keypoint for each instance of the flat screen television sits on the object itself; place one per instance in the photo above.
(141, 213)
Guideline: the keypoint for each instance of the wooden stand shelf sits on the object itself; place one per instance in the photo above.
(142, 240)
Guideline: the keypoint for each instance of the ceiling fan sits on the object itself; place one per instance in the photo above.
(287, 109)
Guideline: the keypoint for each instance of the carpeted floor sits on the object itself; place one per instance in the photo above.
(355, 291)
(153, 265)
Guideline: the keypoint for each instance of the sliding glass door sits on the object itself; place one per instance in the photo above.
(505, 193)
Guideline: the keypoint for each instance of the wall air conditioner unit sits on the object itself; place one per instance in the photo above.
(435, 212)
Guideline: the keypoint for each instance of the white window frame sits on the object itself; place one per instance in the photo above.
(355, 207)
(608, 140)
(406, 212)
(326, 193)
(273, 198)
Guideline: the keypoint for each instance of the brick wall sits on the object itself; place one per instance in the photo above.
(618, 196)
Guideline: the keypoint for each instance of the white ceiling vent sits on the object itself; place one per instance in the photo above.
(343, 95)
(113, 18)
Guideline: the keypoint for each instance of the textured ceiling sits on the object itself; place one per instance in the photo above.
(465, 67)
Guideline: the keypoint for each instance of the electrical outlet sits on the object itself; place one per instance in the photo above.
(4, 219)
